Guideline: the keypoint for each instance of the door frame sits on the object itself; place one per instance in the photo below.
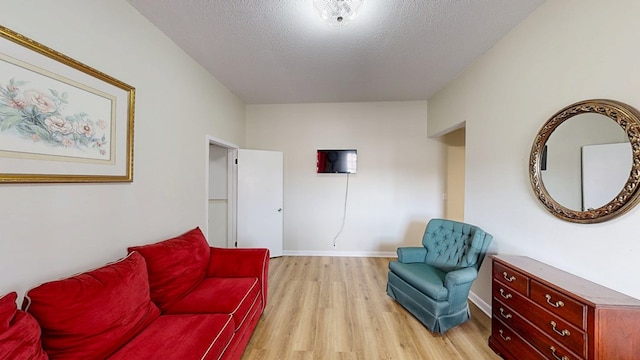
(232, 150)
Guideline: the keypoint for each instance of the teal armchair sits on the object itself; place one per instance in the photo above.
(432, 282)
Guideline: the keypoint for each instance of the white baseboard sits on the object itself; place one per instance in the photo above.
(486, 308)
(341, 253)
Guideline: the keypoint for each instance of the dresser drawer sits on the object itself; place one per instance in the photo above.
(511, 278)
(534, 336)
(552, 350)
(573, 338)
(560, 331)
(508, 296)
(559, 304)
(512, 342)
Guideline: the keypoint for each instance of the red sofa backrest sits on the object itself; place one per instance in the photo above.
(92, 314)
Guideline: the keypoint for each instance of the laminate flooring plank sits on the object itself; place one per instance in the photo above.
(328, 308)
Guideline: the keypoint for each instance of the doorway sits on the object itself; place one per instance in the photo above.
(221, 193)
(244, 197)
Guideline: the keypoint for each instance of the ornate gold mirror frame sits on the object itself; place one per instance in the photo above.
(628, 119)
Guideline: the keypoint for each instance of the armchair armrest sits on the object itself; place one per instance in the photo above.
(233, 262)
(411, 254)
(460, 276)
(458, 283)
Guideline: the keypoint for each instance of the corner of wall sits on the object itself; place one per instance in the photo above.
(481, 304)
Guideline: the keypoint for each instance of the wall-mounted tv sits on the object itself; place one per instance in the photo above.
(337, 161)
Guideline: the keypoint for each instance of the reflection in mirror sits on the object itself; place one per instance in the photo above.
(605, 170)
(564, 178)
(574, 183)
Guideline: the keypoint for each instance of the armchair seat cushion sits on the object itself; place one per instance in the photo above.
(234, 296)
(424, 277)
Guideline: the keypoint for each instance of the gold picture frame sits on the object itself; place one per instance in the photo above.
(61, 121)
(623, 115)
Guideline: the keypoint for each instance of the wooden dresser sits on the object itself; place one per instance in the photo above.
(541, 312)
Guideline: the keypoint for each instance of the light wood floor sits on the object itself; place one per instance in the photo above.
(337, 308)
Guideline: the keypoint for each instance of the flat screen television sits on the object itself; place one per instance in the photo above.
(337, 161)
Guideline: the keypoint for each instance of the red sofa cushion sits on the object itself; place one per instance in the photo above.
(201, 336)
(234, 296)
(184, 257)
(236, 262)
(19, 332)
(8, 309)
(90, 315)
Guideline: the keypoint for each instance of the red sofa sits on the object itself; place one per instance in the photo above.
(176, 299)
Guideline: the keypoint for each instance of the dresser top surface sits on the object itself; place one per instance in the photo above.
(586, 290)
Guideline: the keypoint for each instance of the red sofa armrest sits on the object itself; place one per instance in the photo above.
(234, 262)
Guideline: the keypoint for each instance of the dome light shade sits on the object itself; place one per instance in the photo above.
(337, 12)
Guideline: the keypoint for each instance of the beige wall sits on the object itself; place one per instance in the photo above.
(397, 188)
(454, 204)
(49, 231)
(567, 50)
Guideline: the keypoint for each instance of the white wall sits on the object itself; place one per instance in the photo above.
(565, 51)
(49, 231)
(397, 188)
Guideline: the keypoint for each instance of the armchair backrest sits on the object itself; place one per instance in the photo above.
(454, 245)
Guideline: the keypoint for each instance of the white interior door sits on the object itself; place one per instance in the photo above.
(260, 200)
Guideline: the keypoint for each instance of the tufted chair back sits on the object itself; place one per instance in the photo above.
(453, 245)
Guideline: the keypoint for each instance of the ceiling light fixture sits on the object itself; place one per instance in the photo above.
(337, 12)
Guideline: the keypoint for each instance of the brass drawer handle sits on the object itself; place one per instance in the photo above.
(505, 338)
(553, 352)
(564, 332)
(557, 304)
(510, 278)
(506, 296)
(506, 316)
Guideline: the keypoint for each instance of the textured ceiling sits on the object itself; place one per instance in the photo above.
(279, 51)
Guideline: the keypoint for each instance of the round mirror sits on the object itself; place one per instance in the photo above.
(585, 161)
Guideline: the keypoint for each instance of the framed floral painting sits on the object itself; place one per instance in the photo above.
(61, 120)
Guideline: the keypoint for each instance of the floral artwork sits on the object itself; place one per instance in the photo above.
(61, 121)
(42, 116)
